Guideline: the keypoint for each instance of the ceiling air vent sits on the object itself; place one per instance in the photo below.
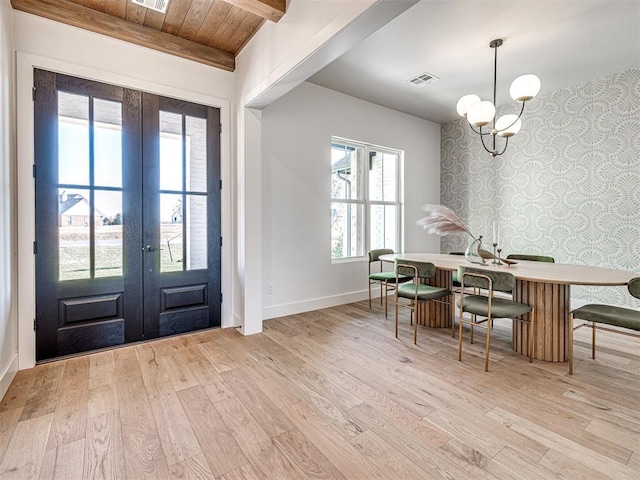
(423, 79)
(157, 5)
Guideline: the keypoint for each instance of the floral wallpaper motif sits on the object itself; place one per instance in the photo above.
(568, 185)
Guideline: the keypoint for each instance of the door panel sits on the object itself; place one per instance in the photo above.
(99, 232)
(181, 216)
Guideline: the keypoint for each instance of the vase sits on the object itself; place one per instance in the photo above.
(472, 253)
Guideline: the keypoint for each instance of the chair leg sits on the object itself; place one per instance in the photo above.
(453, 315)
(415, 326)
(381, 293)
(530, 338)
(473, 320)
(386, 289)
(460, 336)
(570, 344)
(486, 355)
(593, 340)
(396, 302)
(369, 293)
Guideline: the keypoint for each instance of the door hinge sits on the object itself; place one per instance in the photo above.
(220, 241)
(35, 247)
(34, 170)
(220, 297)
(33, 94)
(220, 127)
(35, 324)
(220, 184)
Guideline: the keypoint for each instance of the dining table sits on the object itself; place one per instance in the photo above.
(544, 286)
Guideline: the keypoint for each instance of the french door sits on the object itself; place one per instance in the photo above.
(127, 215)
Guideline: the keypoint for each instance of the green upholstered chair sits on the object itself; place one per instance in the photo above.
(609, 315)
(532, 258)
(386, 280)
(484, 308)
(415, 291)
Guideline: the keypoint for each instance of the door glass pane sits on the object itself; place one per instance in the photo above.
(346, 227)
(107, 143)
(74, 234)
(108, 218)
(171, 219)
(196, 232)
(73, 139)
(171, 171)
(196, 131)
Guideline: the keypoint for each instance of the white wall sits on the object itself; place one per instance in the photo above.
(296, 137)
(8, 291)
(46, 44)
(279, 57)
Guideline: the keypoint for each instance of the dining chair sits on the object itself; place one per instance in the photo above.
(484, 308)
(607, 314)
(416, 291)
(386, 279)
(532, 258)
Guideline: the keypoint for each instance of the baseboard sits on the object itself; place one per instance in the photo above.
(7, 376)
(314, 304)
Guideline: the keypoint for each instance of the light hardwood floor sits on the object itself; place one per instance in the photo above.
(327, 394)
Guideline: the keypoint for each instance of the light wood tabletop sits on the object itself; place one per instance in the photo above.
(558, 273)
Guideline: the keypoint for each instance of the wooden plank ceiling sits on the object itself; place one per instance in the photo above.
(206, 31)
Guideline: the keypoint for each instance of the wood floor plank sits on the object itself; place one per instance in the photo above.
(244, 428)
(218, 444)
(270, 418)
(102, 369)
(103, 447)
(64, 462)
(8, 422)
(43, 395)
(589, 458)
(26, 450)
(246, 472)
(143, 453)
(327, 440)
(18, 392)
(386, 460)
(178, 440)
(195, 468)
(564, 467)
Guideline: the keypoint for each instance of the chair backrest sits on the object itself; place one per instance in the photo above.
(374, 255)
(423, 269)
(502, 281)
(533, 258)
(634, 287)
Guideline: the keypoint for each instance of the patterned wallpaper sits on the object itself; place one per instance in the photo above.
(568, 185)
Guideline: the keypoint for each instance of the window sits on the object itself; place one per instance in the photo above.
(365, 198)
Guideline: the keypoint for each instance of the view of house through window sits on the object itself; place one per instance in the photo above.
(365, 198)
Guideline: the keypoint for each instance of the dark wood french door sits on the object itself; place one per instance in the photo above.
(127, 217)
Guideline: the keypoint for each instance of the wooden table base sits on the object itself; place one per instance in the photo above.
(551, 307)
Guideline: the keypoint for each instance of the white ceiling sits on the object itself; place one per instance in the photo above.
(564, 42)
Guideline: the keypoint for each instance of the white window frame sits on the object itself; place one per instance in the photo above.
(364, 199)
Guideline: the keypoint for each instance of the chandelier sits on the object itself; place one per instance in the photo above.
(480, 113)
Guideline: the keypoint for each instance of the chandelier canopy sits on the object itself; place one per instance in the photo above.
(480, 113)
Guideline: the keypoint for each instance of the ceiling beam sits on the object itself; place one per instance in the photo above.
(270, 9)
(65, 11)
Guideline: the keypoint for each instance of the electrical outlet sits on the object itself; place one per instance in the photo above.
(269, 288)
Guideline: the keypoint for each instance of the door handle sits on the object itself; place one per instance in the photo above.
(149, 248)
